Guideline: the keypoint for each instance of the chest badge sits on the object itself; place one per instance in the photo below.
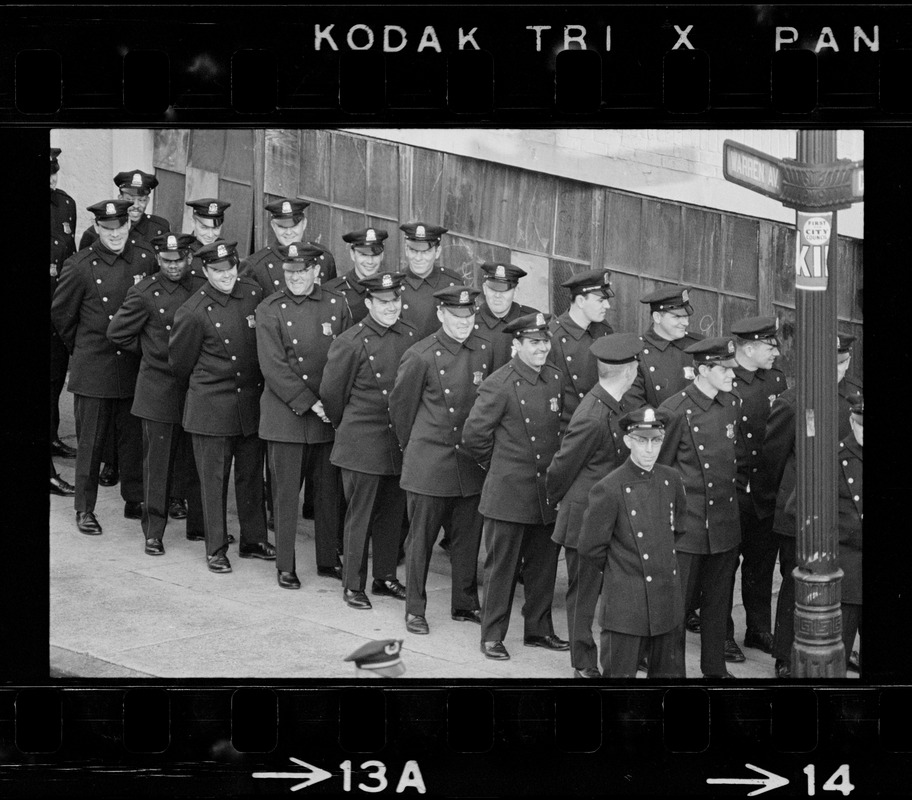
(327, 329)
(476, 377)
(66, 229)
(772, 399)
(730, 430)
(138, 278)
(689, 373)
(554, 405)
(54, 275)
(251, 321)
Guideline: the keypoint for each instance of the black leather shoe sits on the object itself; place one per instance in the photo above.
(587, 672)
(262, 550)
(154, 547)
(86, 522)
(390, 588)
(733, 654)
(330, 572)
(464, 615)
(692, 623)
(61, 487)
(355, 598)
(177, 509)
(201, 537)
(551, 642)
(62, 450)
(725, 676)
(109, 475)
(288, 580)
(218, 563)
(495, 651)
(133, 509)
(416, 624)
(761, 640)
(783, 669)
(853, 662)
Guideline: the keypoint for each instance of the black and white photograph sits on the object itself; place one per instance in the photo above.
(453, 403)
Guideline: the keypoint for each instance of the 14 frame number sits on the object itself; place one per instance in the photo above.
(837, 782)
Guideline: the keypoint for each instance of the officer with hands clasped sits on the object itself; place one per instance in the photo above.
(634, 518)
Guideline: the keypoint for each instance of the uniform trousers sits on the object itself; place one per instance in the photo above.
(427, 515)
(785, 607)
(709, 576)
(584, 582)
(620, 653)
(288, 463)
(214, 455)
(60, 360)
(95, 416)
(508, 544)
(184, 476)
(162, 464)
(376, 504)
(851, 625)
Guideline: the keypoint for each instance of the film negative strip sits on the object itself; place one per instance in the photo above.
(721, 148)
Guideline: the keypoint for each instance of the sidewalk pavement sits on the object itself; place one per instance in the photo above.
(118, 613)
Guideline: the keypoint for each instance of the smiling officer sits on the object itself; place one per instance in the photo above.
(366, 250)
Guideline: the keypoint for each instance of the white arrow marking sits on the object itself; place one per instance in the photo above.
(314, 775)
(770, 781)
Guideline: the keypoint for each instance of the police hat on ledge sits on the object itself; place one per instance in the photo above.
(55, 167)
(135, 182)
(593, 280)
(288, 209)
(371, 238)
(209, 208)
(530, 326)
(110, 210)
(644, 419)
(217, 252)
(383, 282)
(617, 348)
(174, 243)
(669, 298)
(759, 329)
(719, 350)
(378, 659)
(299, 255)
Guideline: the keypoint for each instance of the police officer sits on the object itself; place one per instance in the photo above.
(295, 328)
(636, 515)
(849, 386)
(288, 223)
(212, 351)
(357, 381)
(592, 446)
(512, 431)
(63, 209)
(208, 219)
(851, 518)
(574, 331)
(436, 385)
(422, 277)
(135, 186)
(366, 252)
(758, 382)
(665, 366)
(700, 444)
(92, 286)
(62, 248)
(498, 285)
(143, 325)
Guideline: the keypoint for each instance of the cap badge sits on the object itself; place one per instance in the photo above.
(387, 280)
(684, 296)
(371, 235)
(222, 251)
(539, 319)
(392, 648)
(500, 272)
(649, 415)
(137, 180)
(464, 297)
(109, 209)
(419, 231)
(286, 207)
(213, 208)
(327, 329)
(172, 243)
(292, 251)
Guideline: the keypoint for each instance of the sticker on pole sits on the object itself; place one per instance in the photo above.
(812, 246)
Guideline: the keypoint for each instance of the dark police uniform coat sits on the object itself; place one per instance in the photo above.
(92, 287)
(591, 447)
(212, 349)
(436, 386)
(62, 247)
(294, 334)
(629, 533)
(265, 267)
(851, 517)
(351, 288)
(63, 213)
(700, 443)
(513, 431)
(570, 354)
(491, 328)
(357, 381)
(143, 325)
(757, 391)
(847, 387)
(661, 372)
(148, 226)
(774, 480)
(419, 306)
